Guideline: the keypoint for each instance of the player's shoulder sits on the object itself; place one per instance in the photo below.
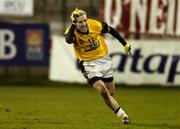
(95, 23)
(67, 29)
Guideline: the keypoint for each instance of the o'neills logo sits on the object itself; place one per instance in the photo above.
(149, 18)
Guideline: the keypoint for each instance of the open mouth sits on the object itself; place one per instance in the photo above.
(84, 28)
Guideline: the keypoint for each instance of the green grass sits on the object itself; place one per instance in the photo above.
(80, 107)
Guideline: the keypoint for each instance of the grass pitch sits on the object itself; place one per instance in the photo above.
(80, 107)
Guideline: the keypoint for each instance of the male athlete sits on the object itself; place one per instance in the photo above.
(86, 35)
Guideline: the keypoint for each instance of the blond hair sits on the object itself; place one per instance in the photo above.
(76, 13)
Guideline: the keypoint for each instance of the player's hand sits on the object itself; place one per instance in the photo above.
(73, 19)
(127, 49)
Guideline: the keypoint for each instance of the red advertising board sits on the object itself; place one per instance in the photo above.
(143, 18)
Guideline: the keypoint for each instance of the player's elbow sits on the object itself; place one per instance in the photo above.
(68, 40)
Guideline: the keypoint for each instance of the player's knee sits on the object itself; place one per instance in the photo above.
(102, 89)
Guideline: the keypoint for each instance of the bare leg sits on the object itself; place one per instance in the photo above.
(105, 91)
(111, 87)
(110, 101)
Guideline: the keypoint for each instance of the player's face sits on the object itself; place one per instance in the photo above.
(81, 24)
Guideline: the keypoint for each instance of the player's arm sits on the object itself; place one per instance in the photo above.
(108, 29)
(69, 34)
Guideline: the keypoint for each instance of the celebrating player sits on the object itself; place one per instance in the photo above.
(86, 35)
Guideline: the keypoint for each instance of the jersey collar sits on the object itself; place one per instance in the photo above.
(84, 32)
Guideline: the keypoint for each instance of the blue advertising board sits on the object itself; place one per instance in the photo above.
(24, 44)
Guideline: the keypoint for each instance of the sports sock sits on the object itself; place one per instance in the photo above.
(119, 112)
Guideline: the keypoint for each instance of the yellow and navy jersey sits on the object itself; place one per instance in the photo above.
(90, 46)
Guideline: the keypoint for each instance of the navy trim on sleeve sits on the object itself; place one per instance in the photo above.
(114, 33)
(108, 29)
(69, 37)
(105, 28)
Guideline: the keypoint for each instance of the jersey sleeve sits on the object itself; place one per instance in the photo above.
(69, 34)
(105, 28)
(108, 29)
(66, 31)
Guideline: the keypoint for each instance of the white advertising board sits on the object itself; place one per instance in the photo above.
(152, 62)
(17, 7)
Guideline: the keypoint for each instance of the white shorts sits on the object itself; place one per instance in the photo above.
(99, 69)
